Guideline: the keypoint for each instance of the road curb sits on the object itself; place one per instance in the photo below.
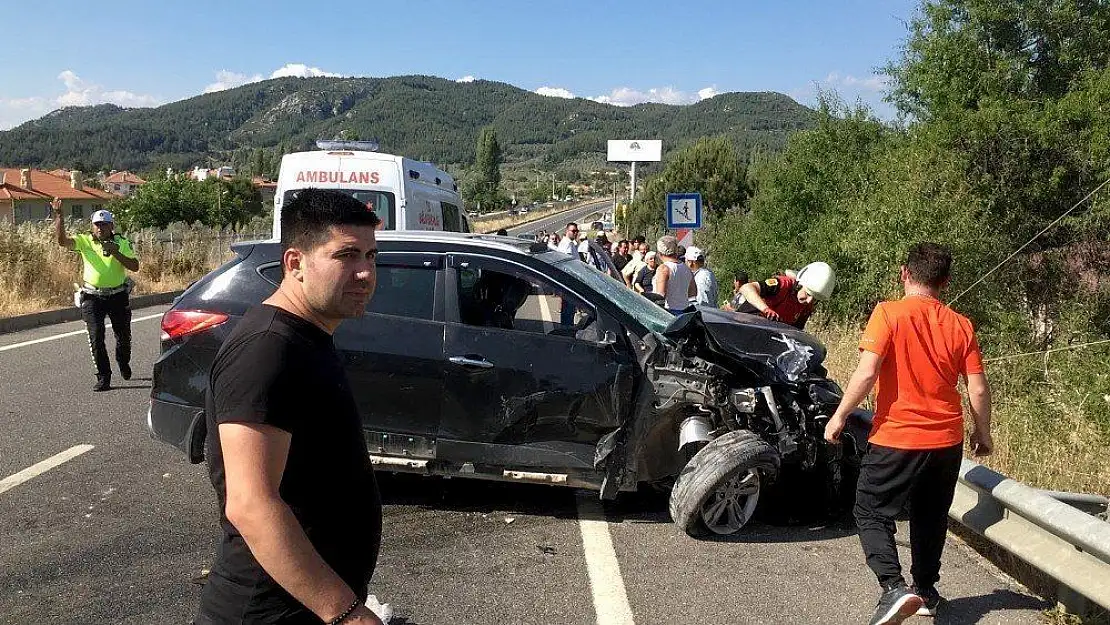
(34, 320)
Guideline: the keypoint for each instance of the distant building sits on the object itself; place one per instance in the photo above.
(122, 183)
(200, 173)
(267, 188)
(25, 195)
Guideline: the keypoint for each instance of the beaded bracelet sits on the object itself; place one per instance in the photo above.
(349, 611)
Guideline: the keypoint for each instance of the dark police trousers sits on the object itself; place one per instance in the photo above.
(889, 478)
(117, 308)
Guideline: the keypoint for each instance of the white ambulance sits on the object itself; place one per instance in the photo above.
(406, 194)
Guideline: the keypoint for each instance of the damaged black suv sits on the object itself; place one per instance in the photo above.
(496, 358)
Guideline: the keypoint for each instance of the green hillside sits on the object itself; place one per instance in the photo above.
(418, 116)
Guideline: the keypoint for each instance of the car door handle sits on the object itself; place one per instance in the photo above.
(467, 361)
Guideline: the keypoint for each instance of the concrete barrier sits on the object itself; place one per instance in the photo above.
(50, 317)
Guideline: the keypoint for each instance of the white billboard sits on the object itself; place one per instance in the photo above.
(635, 150)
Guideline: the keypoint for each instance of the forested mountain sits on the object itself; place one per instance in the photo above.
(419, 116)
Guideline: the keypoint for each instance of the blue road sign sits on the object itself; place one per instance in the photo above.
(683, 211)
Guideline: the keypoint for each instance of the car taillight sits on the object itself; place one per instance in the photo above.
(179, 323)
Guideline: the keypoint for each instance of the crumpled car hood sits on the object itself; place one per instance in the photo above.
(791, 353)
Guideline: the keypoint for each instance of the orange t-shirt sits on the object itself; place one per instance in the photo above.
(925, 346)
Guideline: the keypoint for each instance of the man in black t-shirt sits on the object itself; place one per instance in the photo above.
(621, 257)
(299, 505)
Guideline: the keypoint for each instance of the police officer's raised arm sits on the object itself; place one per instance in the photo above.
(64, 239)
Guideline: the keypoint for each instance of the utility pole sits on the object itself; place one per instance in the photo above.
(553, 185)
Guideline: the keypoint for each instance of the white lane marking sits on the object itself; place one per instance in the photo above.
(55, 337)
(39, 468)
(606, 583)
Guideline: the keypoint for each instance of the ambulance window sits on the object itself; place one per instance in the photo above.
(381, 202)
(451, 217)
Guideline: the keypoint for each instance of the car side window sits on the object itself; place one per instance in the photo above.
(451, 217)
(404, 292)
(497, 296)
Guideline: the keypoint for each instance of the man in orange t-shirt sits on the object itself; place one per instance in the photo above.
(916, 349)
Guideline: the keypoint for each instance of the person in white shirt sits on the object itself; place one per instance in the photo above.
(673, 279)
(704, 279)
(632, 269)
(569, 244)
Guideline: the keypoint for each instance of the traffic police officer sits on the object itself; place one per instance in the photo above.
(788, 299)
(107, 257)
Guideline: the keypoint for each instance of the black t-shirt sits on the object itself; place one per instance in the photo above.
(281, 370)
(645, 278)
(620, 260)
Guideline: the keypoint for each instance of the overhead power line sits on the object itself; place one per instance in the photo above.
(1030, 241)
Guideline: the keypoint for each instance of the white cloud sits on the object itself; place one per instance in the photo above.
(873, 83)
(80, 92)
(555, 92)
(627, 96)
(467, 78)
(708, 92)
(226, 79)
(300, 70)
(15, 111)
(868, 90)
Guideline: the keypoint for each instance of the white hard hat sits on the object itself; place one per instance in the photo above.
(102, 217)
(819, 279)
(694, 253)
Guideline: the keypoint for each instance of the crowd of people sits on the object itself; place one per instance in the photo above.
(679, 277)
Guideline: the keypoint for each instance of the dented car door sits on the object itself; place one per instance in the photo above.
(534, 376)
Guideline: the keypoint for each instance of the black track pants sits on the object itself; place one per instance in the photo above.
(889, 478)
(117, 308)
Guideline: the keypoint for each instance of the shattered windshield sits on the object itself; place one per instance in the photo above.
(643, 310)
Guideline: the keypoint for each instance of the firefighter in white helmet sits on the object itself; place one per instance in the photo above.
(788, 299)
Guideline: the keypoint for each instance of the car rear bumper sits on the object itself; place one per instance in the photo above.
(180, 425)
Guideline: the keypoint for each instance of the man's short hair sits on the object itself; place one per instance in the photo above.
(929, 264)
(667, 246)
(640, 239)
(741, 277)
(307, 219)
(569, 224)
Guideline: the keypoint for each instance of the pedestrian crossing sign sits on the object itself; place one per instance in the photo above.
(683, 210)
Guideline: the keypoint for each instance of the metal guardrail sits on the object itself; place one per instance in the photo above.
(1066, 544)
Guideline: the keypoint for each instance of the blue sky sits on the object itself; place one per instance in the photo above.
(148, 53)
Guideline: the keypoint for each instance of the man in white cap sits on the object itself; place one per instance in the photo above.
(703, 277)
(106, 258)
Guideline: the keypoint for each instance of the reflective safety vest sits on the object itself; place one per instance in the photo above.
(100, 271)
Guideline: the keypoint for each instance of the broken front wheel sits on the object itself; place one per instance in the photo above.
(718, 490)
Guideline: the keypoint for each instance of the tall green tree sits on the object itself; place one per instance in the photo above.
(487, 167)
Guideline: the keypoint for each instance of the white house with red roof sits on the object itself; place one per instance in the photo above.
(122, 183)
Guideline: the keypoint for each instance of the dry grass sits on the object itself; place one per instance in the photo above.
(36, 274)
(1046, 424)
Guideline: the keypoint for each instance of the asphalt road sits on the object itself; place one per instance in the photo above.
(122, 532)
(557, 222)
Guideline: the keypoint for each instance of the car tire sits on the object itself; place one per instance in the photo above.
(717, 492)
